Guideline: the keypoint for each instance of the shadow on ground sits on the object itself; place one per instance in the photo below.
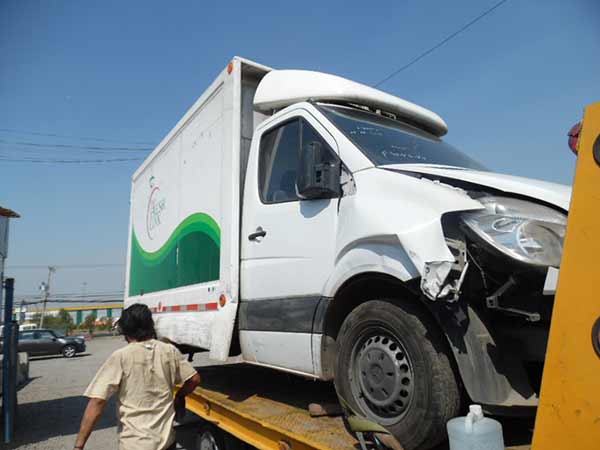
(40, 421)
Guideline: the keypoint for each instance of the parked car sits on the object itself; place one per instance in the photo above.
(47, 342)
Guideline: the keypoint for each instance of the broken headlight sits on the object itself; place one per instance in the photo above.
(526, 231)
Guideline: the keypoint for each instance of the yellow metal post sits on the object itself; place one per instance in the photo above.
(569, 410)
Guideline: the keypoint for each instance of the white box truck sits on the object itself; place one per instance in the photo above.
(322, 227)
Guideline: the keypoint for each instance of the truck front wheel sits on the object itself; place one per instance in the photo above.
(393, 366)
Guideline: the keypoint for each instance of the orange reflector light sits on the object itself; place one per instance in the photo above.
(229, 67)
(222, 300)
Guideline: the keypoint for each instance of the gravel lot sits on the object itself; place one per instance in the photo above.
(51, 404)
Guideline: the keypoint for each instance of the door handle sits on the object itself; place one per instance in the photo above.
(259, 233)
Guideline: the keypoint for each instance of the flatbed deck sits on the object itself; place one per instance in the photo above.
(268, 409)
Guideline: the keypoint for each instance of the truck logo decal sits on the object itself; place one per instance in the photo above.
(191, 255)
(156, 206)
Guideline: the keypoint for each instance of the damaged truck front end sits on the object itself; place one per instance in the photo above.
(447, 272)
(481, 249)
(494, 301)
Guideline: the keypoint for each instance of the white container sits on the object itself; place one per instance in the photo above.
(475, 432)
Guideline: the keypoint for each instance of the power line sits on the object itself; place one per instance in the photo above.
(28, 303)
(86, 301)
(84, 297)
(74, 296)
(35, 133)
(45, 152)
(77, 147)
(29, 300)
(70, 161)
(64, 266)
(88, 294)
(442, 42)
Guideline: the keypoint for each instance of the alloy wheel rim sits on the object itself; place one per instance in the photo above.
(382, 375)
(69, 351)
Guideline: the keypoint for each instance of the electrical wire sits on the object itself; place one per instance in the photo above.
(77, 147)
(442, 42)
(64, 266)
(35, 133)
(69, 161)
(37, 302)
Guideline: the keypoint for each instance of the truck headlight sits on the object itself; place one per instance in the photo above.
(526, 231)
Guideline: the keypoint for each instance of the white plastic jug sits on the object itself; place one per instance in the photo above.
(475, 432)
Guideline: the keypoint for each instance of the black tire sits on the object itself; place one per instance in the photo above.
(212, 438)
(69, 351)
(394, 366)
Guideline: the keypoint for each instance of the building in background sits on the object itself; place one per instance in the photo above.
(79, 313)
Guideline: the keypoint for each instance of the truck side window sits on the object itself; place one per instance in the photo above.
(278, 163)
(279, 158)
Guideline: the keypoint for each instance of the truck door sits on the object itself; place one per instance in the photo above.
(287, 246)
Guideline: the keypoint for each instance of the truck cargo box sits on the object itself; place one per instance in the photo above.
(183, 258)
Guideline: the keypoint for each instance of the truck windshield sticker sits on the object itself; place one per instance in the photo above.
(191, 255)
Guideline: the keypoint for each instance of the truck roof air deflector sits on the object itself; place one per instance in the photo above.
(281, 88)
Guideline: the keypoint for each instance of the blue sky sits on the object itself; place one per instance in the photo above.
(509, 88)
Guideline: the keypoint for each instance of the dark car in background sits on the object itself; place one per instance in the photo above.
(48, 342)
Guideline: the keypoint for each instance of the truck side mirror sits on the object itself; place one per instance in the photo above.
(318, 174)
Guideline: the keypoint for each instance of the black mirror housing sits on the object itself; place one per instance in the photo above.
(318, 174)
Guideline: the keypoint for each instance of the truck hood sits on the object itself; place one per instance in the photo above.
(556, 194)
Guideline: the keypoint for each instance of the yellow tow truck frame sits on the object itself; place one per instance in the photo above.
(568, 414)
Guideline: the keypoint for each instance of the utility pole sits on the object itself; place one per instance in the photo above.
(21, 317)
(45, 288)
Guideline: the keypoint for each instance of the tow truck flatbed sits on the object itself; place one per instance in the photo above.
(268, 409)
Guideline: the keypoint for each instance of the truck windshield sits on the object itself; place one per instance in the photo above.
(385, 141)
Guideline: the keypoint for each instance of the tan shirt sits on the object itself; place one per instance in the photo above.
(143, 374)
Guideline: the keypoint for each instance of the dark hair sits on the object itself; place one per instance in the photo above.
(136, 322)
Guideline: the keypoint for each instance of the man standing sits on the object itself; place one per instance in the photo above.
(143, 375)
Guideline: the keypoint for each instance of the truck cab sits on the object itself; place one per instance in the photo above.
(344, 240)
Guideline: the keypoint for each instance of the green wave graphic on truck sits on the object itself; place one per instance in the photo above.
(191, 255)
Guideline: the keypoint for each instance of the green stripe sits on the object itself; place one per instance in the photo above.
(191, 255)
